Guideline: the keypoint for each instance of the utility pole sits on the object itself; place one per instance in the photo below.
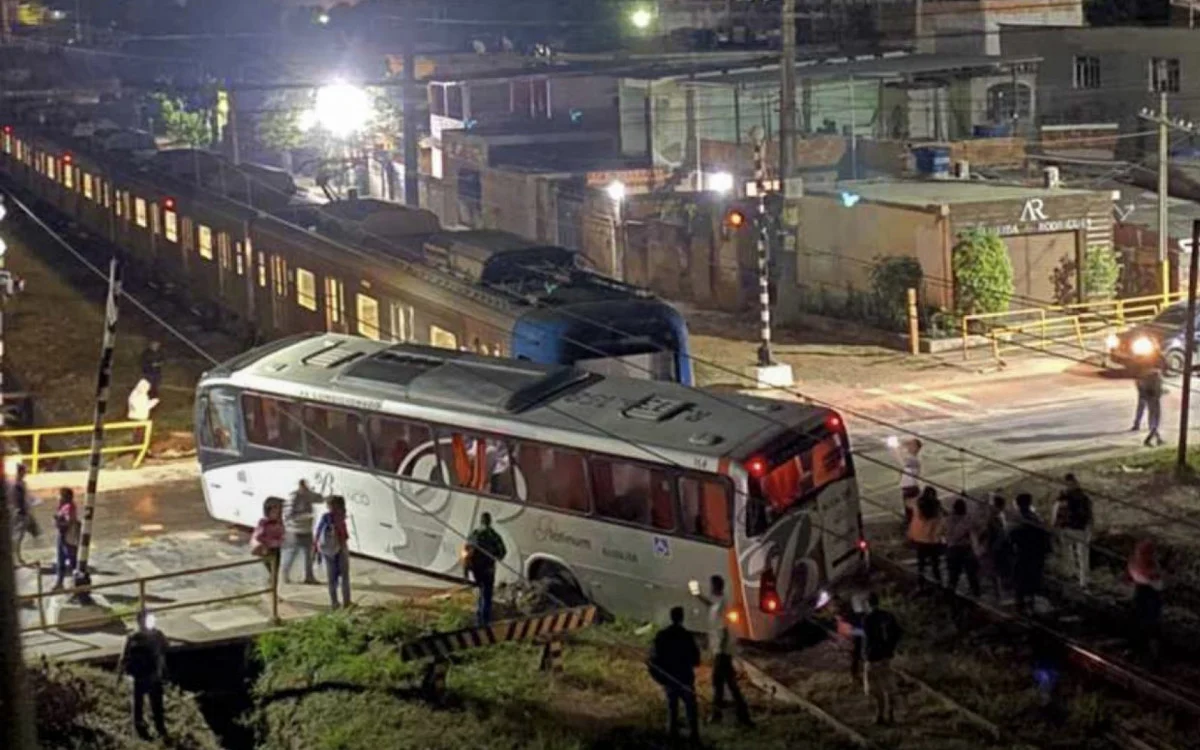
(103, 381)
(787, 96)
(408, 110)
(764, 282)
(1189, 350)
(1165, 126)
(235, 150)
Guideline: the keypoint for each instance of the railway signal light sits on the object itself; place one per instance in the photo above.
(169, 204)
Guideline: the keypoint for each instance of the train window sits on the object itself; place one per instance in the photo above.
(704, 509)
(219, 426)
(443, 338)
(223, 254)
(50, 167)
(68, 176)
(306, 289)
(139, 212)
(367, 309)
(633, 493)
(279, 279)
(334, 301)
(476, 462)
(401, 322)
(272, 423)
(118, 204)
(335, 435)
(171, 225)
(204, 242)
(88, 188)
(8, 143)
(553, 477)
(239, 260)
(262, 269)
(399, 446)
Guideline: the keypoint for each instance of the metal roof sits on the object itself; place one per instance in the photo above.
(927, 193)
(517, 398)
(889, 65)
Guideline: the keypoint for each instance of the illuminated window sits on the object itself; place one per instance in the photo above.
(119, 204)
(262, 269)
(7, 143)
(239, 260)
(306, 289)
(171, 225)
(139, 212)
(89, 191)
(50, 167)
(204, 241)
(334, 295)
(368, 317)
(401, 322)
(68, 176)
(443, 338)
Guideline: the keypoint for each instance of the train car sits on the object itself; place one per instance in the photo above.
(255, 271)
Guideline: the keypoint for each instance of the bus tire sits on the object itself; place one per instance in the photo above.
(562, 589)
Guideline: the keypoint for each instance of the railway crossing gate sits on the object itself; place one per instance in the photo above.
(547, 629)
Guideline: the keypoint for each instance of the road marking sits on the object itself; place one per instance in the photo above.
(953, 398)
(910, 387)
(875, 391)
(922, 404)
(149, 527)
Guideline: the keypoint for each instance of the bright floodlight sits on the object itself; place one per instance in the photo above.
(342, 109)
(323, 19)
(306, 121)
(721, 182)
(641, 18)
(616, 191)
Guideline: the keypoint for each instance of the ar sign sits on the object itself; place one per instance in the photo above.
(1035, 210)
(662, 547)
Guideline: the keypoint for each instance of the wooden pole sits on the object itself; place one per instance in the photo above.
(1189, 350)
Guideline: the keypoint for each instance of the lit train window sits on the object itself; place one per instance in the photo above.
(443, 338)
(306, 289)
(204, 241)
(334, 300)
(171, 225)
(139, 212)
(368, 316)
(68, 175)
(262, 269)
(89, 191)
(50, 167)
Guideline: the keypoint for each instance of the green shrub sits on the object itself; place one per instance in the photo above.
(1101, 272)
(891, 278)
(983, 274)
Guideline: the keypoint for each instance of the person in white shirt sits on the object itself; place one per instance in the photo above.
(724, 648)
(140, 403)
(908, 453)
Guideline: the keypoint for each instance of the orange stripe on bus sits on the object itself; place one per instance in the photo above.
(723, 465)
(739, 596)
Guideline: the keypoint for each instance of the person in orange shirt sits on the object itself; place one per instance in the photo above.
(926, 531)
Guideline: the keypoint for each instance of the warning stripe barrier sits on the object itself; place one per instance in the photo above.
(441, 645)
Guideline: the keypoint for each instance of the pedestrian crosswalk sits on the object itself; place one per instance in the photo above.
(917, 402)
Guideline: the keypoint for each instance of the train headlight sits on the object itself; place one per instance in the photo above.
(1112, 342)
(1142, 346)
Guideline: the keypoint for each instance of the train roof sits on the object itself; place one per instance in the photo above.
(373, 375)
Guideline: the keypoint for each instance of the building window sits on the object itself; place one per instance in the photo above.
(1087, 72)
(1006, 101)
(1164, 74)
(368, 316)
(88, 191)
(401, 322)
(262, 269)
(171, 225)
(306, 289)
(454, 101)
(68, 176)
(443, 338)
(139, 212)
(204, 241)
(334, 294)
(50, 164)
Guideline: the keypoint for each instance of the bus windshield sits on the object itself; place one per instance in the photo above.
(794, 475)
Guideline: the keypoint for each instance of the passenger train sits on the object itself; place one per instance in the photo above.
(230, 240)
(621, 491)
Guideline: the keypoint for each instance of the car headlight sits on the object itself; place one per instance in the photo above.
(1142, 346)
(1112, 342)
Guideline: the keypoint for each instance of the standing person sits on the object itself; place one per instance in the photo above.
(144, 659)
(1031, 544)
(152, 363)
(23, 523)
(298, 525)
(962, 539)
(332, 540)
(1073, 516)
(267, 539)
(908, 453)
(673, 661)
(724, 648)
(1146, 575)
(485, 548)
(140, 405)
(880, 635)
(1154, 390)
(993, 550)
(925, 531)
(1140, 384)
(66, 521)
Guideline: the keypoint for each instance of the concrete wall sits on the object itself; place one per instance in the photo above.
(972, 27)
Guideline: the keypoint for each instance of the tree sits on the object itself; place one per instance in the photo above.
(983, 274)
(1101, 272)
(181, 124)
(891, 278)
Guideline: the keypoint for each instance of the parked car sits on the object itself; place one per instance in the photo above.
(1159, 341)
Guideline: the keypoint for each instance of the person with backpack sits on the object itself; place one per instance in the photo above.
(673, 661)
(880, 635)
(1073, 518)
(267, 539)
(332, 542)
(144, 659)
(66, 521)
(485, 548)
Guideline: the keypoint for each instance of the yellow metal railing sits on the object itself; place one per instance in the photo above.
(272, 590)
(1042, 326)
(33, 460)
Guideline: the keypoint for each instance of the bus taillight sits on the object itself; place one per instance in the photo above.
(756, 467)
(862, 545)
(833, 421)
(768, 594)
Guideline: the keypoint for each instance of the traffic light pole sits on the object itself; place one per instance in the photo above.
(1189, 351)
(765, 359)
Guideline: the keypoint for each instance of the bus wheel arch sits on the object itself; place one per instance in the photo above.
(562, 585)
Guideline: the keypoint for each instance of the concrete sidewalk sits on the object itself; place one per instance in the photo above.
(164, 472)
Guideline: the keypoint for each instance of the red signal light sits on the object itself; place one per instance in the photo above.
(756, 466)
(7, 129)
(863, 544)
(66, 158)
(169, 203)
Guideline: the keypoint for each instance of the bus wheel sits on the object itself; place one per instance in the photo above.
(560, 587)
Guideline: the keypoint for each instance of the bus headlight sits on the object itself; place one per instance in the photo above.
(1112, 342)
(1142, 346)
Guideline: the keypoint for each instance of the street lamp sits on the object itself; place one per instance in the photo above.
(342, 109)
(720, 182)
(641, 19)
(616, 193)
(323, 19)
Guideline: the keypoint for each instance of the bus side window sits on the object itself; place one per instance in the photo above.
(272, 423)
(402, 447)
(219, 422)
(476, 462)
(633, 493)
(554, 477)
(335, 435)
(704, 507)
